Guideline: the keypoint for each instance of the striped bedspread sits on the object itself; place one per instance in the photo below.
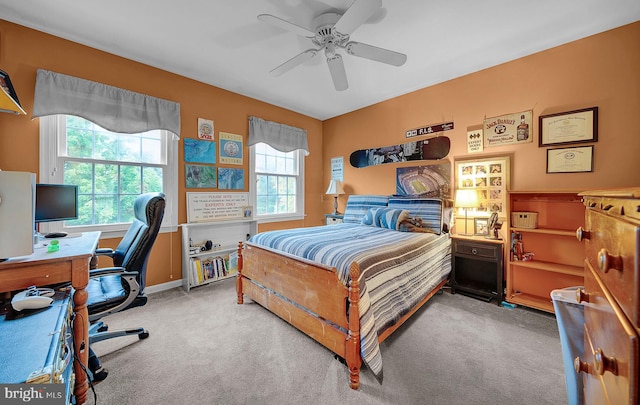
(398, 269)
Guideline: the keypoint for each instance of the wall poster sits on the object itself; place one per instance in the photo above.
(490, 178)
(230, 148)
(508, 129)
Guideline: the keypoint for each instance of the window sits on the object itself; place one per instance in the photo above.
(277, 183)
(111, 169)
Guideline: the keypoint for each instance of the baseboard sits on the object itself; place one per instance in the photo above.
(163, 287)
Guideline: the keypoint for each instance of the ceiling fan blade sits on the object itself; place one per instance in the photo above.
(338, 74)
(286, 25)
(359, 12)
(375, 53)
(299, 59)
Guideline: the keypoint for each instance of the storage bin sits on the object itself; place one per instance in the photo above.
(570, 319)
(524, 220)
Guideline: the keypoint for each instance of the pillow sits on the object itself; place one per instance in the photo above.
(385, 217)
(359, 205)
(429, 210)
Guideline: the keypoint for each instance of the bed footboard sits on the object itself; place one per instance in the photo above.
(314, 301)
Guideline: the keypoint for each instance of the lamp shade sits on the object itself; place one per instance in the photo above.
(466, 199)
(335, 188)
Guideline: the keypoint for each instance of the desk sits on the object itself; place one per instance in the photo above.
(70, 263)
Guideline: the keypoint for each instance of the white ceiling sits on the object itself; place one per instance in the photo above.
(221, 42)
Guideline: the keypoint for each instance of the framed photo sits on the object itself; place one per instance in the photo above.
(577, 126)
(481, 226)
(490, 178)
(570, 160)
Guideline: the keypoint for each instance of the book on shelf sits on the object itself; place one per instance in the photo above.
(210, 268)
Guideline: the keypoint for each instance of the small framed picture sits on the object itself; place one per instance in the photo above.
(481, 226)
(247, 211)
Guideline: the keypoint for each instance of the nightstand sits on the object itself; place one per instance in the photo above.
(332, 219)
(477, 267)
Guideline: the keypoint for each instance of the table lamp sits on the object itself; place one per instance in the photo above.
(335, 189)
(466, 199)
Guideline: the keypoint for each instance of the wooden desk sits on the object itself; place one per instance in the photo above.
(70, 263)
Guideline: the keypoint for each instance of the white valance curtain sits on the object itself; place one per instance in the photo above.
(112, 108)
(279, 136)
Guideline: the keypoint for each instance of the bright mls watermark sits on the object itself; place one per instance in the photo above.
(39, 394)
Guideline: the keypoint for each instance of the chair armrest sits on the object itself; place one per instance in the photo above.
(127, 276)
(106, 271)
(104, 252)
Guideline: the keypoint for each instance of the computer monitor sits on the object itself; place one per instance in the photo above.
(56, 202)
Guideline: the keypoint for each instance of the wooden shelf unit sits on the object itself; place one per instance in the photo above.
(557, 253)
(224, 236)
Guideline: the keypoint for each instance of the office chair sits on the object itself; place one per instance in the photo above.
(119, 288)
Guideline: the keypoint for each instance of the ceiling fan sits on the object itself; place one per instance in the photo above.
(332, 31)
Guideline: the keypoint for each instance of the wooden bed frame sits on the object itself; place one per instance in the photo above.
(265, 276)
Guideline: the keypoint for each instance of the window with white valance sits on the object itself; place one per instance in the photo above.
(112, 108)
(113, 143)
(277, 170)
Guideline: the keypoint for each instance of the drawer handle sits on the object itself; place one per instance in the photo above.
(580, 366)
(474, 251)
(603, 363)
(606, 261)
(581, 295)
(581, 234)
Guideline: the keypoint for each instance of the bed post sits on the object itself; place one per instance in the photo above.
(239, 276)
(353, 358)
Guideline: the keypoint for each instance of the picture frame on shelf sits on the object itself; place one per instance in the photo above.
(577, 159)
(577, 126)
(481, 226)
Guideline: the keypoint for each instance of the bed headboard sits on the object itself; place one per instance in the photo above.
(435, 212)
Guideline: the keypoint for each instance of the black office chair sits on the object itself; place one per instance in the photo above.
(119, 288)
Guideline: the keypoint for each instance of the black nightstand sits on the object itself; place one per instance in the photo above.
(477, 267)
(332, 219)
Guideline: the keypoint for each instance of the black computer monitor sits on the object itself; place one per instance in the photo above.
(56, 202)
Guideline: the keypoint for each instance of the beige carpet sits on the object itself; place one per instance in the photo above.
(206, 349)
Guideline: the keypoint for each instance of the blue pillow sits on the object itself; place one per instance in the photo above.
(385, 217)
(358, 205)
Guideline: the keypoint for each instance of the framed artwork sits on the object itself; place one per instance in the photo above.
(570, 160)
(7, 87)
(490, 178)
(481, 226)
(200, 176)
(199, 151)
(577, 126)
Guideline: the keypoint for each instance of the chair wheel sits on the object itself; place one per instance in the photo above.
(103, 328)
(143, 335)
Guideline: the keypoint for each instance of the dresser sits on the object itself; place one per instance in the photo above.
(611, 236)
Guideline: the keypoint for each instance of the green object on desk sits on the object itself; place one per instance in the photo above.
(54, 246)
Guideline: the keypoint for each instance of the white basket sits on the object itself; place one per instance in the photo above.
(524, 220)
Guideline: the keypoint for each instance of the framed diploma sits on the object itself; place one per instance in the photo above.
(569, 127)
(570, 160)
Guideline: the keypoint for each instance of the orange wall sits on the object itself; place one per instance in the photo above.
(23, 51)
(597, 71)
(602, 70)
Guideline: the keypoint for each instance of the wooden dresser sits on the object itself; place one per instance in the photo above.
(611, 296)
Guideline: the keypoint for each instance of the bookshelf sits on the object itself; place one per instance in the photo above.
(557, 254)
(201, 266)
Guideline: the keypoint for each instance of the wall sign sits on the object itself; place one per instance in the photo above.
(508, 129)
(207, 207)
(445, 126)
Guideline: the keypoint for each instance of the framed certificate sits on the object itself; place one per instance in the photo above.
(569, 127)
(570, 160)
